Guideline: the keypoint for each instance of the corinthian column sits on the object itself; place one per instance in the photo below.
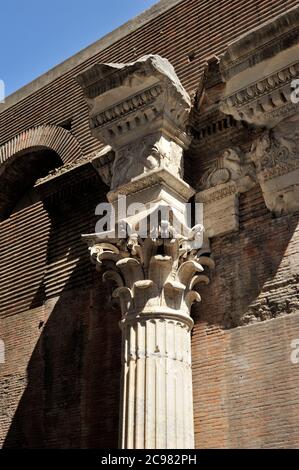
(141, 111)
(154, 282)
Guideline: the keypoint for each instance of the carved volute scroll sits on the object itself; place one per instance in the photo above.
(155, 280)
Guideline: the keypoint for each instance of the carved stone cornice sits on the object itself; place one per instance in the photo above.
(258, 69)
(126, 109)
(154, 182)
(261, 43)
(141, 110)
(208, 125)
(119, 92)
(266, 101)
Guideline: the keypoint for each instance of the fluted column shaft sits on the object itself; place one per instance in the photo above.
(156, 404)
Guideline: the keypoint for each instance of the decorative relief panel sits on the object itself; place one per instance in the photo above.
(221, 185)
(275, 155)
(153, 152)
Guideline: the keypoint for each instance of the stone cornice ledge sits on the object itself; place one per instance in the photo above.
(258, 69)
(161, 177)
(261, 43)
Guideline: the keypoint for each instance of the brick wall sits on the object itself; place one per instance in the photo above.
(59, 386)
(245, 385)
(246, 389)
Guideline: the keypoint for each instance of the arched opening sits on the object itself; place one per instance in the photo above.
(24, 221)
(19, 175)
(29, 156)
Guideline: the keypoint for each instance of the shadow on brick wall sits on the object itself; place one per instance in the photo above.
(256, 276)
(73, 376)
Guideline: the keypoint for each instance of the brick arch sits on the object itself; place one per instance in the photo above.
(30, 156)
(51, 137)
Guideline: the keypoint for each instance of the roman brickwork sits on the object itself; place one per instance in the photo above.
(164, 114)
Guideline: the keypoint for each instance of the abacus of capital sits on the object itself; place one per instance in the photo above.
(141, 111)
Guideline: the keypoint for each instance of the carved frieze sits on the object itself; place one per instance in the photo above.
(221, 185)
(275, 155)
(151, 152)
(230, 166)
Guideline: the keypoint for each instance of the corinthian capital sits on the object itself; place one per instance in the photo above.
(153, 277)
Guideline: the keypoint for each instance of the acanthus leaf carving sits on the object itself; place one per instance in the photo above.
(154, 273)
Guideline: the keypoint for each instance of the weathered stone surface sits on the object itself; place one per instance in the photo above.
(154, 280)
(231, 175)
(60, 384)
(141, 110)
(276, 158)
(258, 69)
